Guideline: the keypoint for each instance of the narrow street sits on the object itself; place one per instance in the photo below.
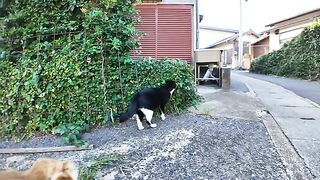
(303, 88)
(298, 117)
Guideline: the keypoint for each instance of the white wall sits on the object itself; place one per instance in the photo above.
(288, 33)
(274, 42)
(285, 35)
(208, 37)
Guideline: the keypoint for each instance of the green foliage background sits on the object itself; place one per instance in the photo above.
(65, 66)
(299, 58)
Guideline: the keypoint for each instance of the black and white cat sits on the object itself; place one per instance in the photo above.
(146, 101)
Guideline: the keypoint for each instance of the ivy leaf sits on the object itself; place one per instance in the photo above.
(62, 129)
(71, 127)
(72, 5)
(116, 43)
(43, 126)
(65, 140)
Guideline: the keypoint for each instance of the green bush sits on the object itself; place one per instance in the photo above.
(151, 73)
(67, 67)
(299, 58)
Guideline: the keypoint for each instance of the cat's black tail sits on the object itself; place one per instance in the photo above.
(132, 109)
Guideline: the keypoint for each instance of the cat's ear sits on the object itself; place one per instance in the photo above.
(67, 165)
(171, 83)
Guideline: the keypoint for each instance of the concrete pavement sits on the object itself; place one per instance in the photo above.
(244, 105)
(298, 118)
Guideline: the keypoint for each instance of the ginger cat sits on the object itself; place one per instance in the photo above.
(43, 169)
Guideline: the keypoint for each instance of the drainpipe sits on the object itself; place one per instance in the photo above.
(197, 39)
(197, 24)
(240, 42)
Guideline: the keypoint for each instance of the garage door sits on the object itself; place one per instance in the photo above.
(167, 31)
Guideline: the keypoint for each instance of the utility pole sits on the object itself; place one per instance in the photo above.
(240, 41)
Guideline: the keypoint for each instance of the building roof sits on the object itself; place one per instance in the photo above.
(293, 17)
(219, 29)
(262, 37)
(232, 38)
(251, 32)
(225, 40)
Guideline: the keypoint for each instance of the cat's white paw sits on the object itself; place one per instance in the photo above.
(153, 125)
(163, 117)
(141, 128)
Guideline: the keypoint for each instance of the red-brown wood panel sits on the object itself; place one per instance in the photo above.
(167, 29)
(174, 32)
(147, 26)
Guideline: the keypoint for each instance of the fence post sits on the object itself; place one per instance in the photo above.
(225, 77)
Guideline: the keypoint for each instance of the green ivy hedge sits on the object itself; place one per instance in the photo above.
(67, 95)
(67, 67)
(299, 58)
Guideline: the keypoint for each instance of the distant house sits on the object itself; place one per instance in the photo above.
(209, 35)
(260, 46)
(230, 44)
(168, 28)
(284, 30)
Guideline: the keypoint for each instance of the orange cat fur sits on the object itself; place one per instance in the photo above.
(43, 169)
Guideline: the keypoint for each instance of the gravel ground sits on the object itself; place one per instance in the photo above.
(183, 147)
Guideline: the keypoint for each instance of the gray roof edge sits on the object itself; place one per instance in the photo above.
(293, 17)
(219, 29)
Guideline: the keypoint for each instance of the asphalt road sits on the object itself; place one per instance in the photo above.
(238, 85)
(298, 118)
(303, 88)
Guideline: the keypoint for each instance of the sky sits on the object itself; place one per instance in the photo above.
(256, 13)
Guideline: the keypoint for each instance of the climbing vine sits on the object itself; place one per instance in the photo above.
(65, 66)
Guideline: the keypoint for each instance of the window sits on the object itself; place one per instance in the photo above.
(245, 47)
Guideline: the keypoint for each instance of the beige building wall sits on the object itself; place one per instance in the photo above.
(224, 46)
(247, 57)
(246, 61)
(249, 38)
(208, 55)
(231, 47)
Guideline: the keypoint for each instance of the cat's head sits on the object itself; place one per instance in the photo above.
(170, 85)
